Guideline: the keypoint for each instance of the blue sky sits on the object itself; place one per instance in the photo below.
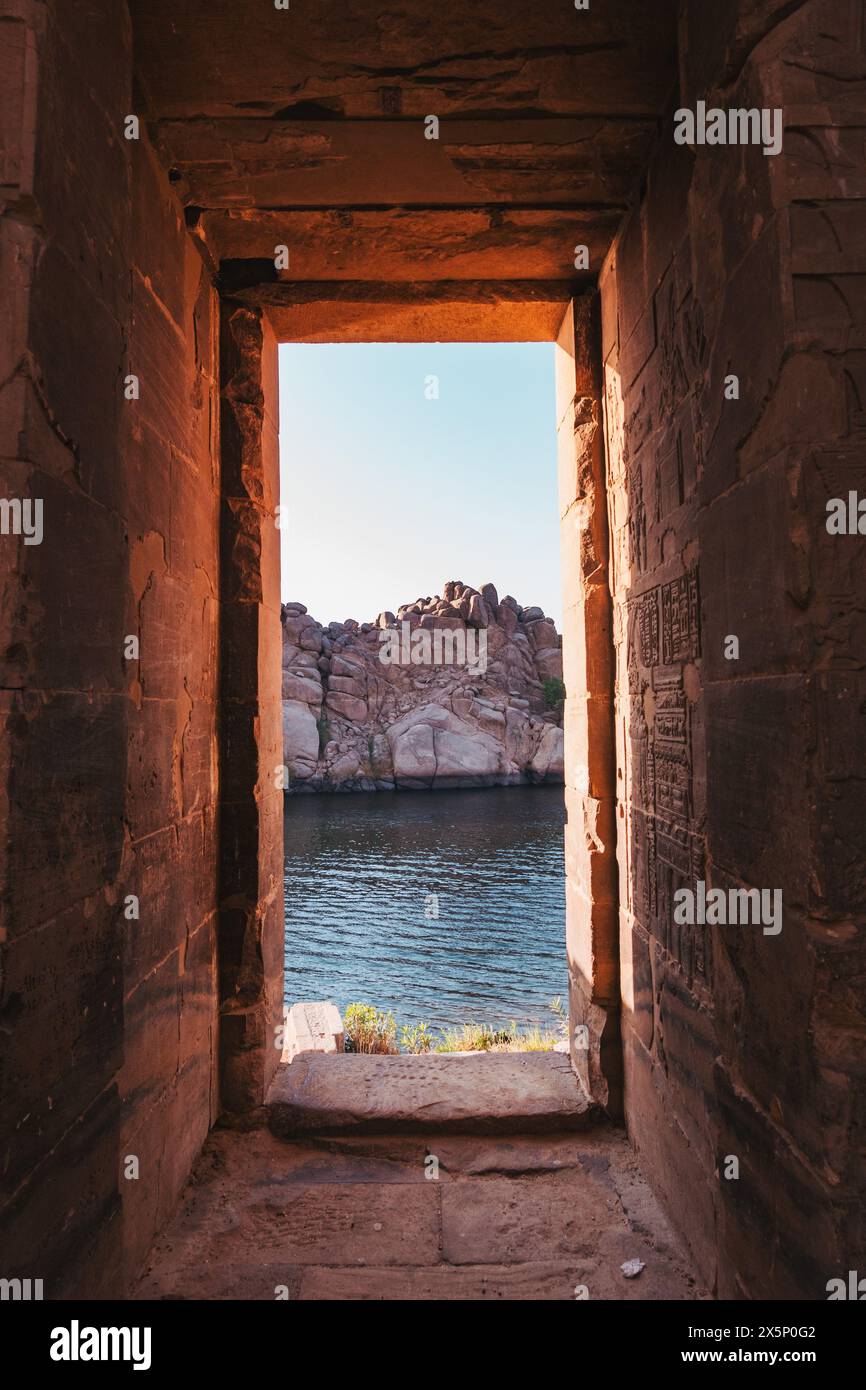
(387, 494)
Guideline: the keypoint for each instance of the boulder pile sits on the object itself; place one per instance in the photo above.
(457, 690)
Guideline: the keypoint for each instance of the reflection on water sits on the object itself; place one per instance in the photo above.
(365, 874)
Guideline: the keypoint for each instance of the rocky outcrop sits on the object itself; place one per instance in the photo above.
(457, 690)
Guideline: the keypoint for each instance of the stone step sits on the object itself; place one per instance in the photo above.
(315, 1026)
(477, 1093)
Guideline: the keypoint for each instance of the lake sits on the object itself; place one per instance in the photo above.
(367, 874)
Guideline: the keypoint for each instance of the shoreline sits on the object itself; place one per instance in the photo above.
(365, 785)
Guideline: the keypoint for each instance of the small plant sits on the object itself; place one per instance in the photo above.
(417, 1038)
(477, 1037)
(554, 692)
(481, 1037)
(472, 1037)
(368, 1030)
(562, 1017)
(375, 759)
(324, 729)
(534, 1038)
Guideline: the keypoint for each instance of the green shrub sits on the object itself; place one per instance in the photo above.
(368, 1030)
(554, 691)
(417, 1038)
(324, 729)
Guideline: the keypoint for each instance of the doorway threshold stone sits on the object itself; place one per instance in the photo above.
(475, 1093)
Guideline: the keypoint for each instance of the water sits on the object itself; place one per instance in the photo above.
(359, 869)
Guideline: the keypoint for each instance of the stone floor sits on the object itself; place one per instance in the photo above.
(417, 1217)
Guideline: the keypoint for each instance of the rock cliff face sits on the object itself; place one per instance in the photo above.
(448, 692)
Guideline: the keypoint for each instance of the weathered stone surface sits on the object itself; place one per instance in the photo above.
(361, 1219)
(313, 1027)
(372, 311)
(716, 422)
(406, 245)
(300, 687)
(232, 166)
(616, 59)
(548, 759)
(454, 1283)
(496, 1093)
(370, 199)
(251, 726)
(433, 744)
(300, 738)
(348, 707)
(521, 1218)
(413, 754)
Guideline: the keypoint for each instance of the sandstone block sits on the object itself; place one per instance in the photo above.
(313, 1027)
(529, 1092)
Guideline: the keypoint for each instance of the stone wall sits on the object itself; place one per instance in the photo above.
(251, 931)
(109, 773)
(744, 771)
(591, 889)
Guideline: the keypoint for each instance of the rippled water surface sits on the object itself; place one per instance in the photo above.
(360, 874)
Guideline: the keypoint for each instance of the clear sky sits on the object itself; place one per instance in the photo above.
(387, 494)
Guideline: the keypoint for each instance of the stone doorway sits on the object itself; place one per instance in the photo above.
(251, 925)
